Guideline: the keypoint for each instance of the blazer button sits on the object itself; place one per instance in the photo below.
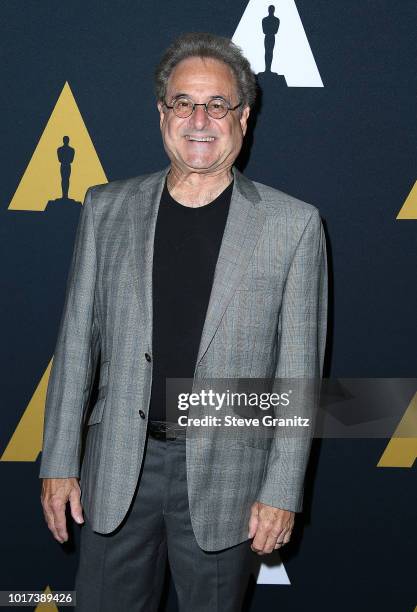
(142, 414)
(147, 357)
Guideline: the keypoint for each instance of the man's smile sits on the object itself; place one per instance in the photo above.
(199, 138)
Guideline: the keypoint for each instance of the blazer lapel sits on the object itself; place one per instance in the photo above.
(242, 231)
(143, 209)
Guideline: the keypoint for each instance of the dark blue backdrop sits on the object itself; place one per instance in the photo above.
(348, 148)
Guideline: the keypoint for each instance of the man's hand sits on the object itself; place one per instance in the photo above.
(270, 527)
(56, 492)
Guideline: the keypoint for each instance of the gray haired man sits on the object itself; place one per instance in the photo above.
(197, 272)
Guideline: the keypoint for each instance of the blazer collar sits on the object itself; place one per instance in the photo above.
(155, 183)
(242, 231)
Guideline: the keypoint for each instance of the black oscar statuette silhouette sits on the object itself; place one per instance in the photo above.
(65, 157)
(270, 27)
(61, 215)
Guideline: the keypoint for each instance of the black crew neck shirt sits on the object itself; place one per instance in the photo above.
(186, 247)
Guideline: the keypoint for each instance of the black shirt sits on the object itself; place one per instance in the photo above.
(186, 246)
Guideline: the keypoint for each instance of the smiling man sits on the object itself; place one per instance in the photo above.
(194, 272)
(202, 144)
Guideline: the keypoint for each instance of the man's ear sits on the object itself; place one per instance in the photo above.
(244, 119)
(160, 107)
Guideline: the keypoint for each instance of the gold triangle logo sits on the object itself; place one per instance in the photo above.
(401, 450)
(26, 442)
(41, 181)
(47, 606)
(409, 208)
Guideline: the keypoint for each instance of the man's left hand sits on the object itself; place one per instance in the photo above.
(270, 527)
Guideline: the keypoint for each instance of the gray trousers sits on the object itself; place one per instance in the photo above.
(125, 570)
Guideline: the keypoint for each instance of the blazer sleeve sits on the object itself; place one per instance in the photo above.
(72, 366)
(300, 355)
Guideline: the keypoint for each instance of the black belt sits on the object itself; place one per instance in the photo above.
(163, 430)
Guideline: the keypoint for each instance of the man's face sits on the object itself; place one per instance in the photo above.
(201, 79)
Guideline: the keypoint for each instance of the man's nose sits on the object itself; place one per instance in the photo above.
(199, 118)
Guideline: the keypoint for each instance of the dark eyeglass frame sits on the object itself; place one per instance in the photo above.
(205, 104)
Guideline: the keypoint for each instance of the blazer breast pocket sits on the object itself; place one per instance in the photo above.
(256, 283)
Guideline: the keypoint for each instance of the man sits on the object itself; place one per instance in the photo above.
(192, 271)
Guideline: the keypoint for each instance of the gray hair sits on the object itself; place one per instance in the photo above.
(204, 44)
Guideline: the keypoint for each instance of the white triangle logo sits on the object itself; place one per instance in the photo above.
(273, 39)
(270, 572)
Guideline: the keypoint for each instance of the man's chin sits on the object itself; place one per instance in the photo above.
(200, 164)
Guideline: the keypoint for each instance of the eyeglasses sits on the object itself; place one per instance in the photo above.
(217, 108)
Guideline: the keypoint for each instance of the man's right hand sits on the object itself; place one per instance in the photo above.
(56, 492)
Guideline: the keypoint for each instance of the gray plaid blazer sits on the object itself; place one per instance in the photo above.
(266, 317)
